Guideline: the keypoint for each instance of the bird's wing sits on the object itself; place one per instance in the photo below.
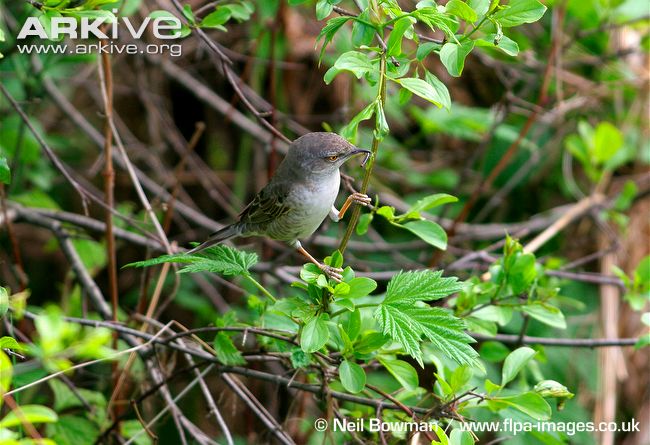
(268, 205)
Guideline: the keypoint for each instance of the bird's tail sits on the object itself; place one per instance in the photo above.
(217, 237)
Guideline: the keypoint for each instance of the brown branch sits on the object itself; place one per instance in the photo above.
(560, 342)
(83, 194)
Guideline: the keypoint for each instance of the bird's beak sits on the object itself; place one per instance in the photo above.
(357, 151)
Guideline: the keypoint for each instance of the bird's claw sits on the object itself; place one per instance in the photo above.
(335, 273)
(361, 199)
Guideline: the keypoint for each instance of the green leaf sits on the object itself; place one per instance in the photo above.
(381, 125)
(514, 363)
(529, 403)
(546, 314)
(551, 388)
(425, 49)
(493, 351)
(364, 223)
(522, 273)
(406, 323)
(216, 19)
(7, 342)
(346, 303)
(6, 371)
(518, 12)
(361, 286)
(328, 32)
(403, 372)
(132, 429)
(362, 34)
(461, 10)
(428, 231)
(459, 378)
(458, 437)
(423, 89)
(323, 9)
(29, 413)
(505, 44)
(354, 61)
(480, 6)
(431, 201)
(352, 325)
(4, 301)
(394, 43)
(314, 334)
(349, 132)
(189, 15)
(75, 430)
(299, 358)
(443, 94)
(452, 56)
(226, 351)
(218, 259)
(5, 173)
(607, 142)
(422, 285)
(370, 343)
(353, 377)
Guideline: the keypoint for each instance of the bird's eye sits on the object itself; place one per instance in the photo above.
(332, 158)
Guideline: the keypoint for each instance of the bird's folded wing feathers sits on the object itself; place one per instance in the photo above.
(269, 204)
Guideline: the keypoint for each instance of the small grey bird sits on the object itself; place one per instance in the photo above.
(299, 196)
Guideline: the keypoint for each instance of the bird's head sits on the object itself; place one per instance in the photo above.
(321, 153)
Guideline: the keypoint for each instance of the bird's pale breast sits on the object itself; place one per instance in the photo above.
(310, 205)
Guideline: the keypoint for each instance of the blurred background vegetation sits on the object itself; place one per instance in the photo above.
(526, 140)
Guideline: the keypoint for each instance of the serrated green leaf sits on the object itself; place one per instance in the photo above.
(218, 259)
(423, 285)
(353, 377)
(227, 352)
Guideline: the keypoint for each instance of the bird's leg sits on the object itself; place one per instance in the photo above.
(335, 273)
(359, 198)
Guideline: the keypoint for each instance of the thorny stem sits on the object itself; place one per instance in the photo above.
(354, 219)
